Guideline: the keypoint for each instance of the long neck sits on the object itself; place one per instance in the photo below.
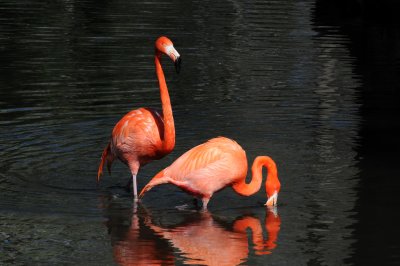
(168, 142)
(256, 170)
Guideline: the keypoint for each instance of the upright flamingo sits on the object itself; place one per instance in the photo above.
(143, 135)
(211, 166)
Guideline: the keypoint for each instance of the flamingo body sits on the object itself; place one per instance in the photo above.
(137, 137)
(214, 165)
(143, 135)
(209, 167)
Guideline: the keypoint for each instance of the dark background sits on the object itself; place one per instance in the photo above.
(373, 28)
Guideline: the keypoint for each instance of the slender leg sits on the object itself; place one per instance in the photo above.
(135, 195)
(205, 202)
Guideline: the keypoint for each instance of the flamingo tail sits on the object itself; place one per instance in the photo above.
(156, 180)
(105, 157)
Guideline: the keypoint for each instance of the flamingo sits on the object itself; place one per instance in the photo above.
(214, 165)
(143, 135)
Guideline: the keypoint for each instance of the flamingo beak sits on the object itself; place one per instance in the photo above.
(273, 200)
(175, 56)
(178, 64)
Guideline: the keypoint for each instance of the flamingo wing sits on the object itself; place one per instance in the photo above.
(208, 167)
(205, 168)
(139, 131)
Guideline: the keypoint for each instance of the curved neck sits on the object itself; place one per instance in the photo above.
(168, 140)
(256, 171)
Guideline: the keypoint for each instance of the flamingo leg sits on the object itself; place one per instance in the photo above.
(134, 184)
(205, 202)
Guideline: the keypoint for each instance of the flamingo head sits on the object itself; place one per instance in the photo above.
(165, 46)
(272, 189)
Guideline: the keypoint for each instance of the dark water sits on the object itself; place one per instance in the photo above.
(317, 94)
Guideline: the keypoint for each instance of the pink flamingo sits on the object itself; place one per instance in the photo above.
(143, 135)
(215, 164)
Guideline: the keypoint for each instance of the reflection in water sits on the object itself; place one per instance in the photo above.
(133, 243)
(203, 241)
(141, 238)
(131, 250)
(272, 227)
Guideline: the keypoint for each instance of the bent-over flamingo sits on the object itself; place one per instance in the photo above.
(215, 164)
(143, 135)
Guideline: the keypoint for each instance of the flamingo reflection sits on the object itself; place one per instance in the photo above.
(137, 250)
(272, 226)
(133, 243)
(200, 238)
(205, 241)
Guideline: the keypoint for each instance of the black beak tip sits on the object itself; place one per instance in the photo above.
(178, 65)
